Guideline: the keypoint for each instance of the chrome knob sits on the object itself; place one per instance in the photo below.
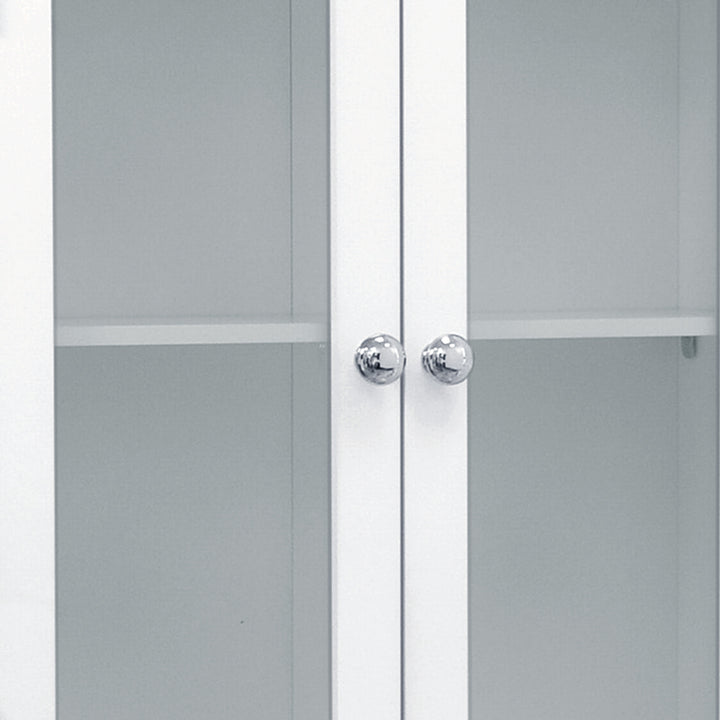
(449, 359)
(380, 359)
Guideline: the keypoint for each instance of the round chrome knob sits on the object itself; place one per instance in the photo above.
(449, 359)
(380, 359)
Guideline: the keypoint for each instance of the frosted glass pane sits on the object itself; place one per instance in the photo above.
(592, 247)
(191, 255)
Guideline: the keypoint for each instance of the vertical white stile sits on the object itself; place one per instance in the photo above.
(365, 269)
(435, 415)
(365, 299)
(27, 664)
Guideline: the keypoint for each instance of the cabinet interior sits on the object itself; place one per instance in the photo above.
(191, 185)
(592, 156)
(191, 255)
(190, 160)
(593, 470)
(593, 505)
(192, 533)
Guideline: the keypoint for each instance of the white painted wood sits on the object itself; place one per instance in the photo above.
(435, 415)
(365, 273)
(697, 152)
(225, 331)
(697, 483)
(27, 664)
(173, 157)
(189, 331)
(175, 523)
(531, 326)
(573, 155)
(574, 530)
(311, 697)
(309, 98)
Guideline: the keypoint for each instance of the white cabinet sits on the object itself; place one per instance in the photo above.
(207, 511)
(582, 538)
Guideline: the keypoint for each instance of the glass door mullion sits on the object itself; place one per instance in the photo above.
(435, 413)
(365, 299)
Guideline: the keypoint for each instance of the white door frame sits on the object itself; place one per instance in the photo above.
(435, 415)
(27, 544)
(365, 297)
(365, 426)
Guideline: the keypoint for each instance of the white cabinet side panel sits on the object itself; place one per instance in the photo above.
(27, 670)
(435, 303)
(697, 156)
(365, 299)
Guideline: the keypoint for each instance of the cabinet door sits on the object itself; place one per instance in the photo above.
(560, 195)
(189, 525)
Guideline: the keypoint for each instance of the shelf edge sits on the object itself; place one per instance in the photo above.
(538, 328)
(76, 335)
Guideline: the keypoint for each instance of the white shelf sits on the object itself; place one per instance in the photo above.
(233, 331)
(188, 331)
(535, 326)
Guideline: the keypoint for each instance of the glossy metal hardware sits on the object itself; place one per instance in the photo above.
(380, 359)
(449, 359)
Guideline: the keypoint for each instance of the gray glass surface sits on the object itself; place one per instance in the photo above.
(593, 461)
(192, 491)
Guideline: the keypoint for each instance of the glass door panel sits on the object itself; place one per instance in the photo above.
(191, 245)
(593, 405)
